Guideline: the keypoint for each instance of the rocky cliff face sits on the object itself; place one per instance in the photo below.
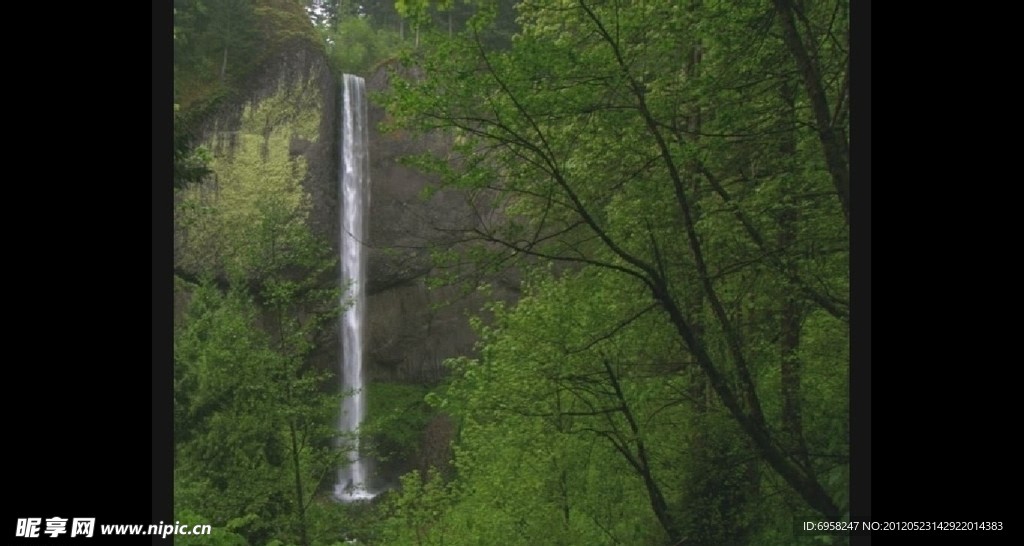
(289, 111)
(413, 328)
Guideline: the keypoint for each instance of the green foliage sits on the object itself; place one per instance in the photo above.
(694, 343)
(540, 433)
(495, 19)
(416, 11)
(396, 417)
(250, 416)
(415, 514)
(251, 220)
(355, 46)
(191, 165)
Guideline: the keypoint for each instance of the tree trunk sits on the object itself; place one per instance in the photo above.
(805, 485)
(224, 65)
(833, 139)
(299, 497)
(641, 462)
(792, 420)
(790, 317)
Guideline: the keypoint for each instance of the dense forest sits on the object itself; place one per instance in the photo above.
(670, 183)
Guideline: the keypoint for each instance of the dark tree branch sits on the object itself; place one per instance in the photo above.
(832, 137)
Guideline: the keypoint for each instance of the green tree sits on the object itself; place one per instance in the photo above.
(254, 416)
(253, 423)
(455, 15)
(674, 147)
(357, 46)
(230, 28)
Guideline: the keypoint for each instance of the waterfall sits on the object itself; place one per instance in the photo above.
(355, 197)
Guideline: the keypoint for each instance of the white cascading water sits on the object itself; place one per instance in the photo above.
(355, 197)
